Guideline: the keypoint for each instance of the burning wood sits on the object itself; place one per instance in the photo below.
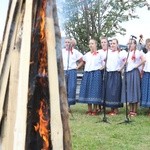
(43, 125)
(43, 50)
(40, 118)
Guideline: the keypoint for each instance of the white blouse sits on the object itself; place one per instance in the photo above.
(103, 56)
(93, 61)
(70, 58)
(147, 63)
(134, 60)
(115, 60)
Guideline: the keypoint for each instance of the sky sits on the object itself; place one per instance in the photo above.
(134, 27)
(137, 26)
(3, 13)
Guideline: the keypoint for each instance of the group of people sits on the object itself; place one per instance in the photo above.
(110, 74)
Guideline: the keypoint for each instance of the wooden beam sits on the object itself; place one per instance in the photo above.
(7, 34)
(21, 111)
(3, 85)
(8, 130)
(62, 86)
(6, 66)
(56, 122)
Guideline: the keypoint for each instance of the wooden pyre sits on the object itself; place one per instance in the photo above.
(31, 71)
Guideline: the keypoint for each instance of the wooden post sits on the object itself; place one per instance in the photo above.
(21, 112)
(7, 34)
(11, 112)
(56, 122)
(3, 86)
(62, 88)
(6, 66)
(12, 90)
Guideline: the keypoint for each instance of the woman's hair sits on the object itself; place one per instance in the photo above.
(67, 38)
(103, 38)
(134, 41)
(74, 41)
(146, 43)
(116, 40)
(93, 40)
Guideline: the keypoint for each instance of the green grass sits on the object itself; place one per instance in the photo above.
(91, 133)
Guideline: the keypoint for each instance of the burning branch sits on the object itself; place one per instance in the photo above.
(43, 125)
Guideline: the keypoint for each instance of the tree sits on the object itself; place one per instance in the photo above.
(85, 19)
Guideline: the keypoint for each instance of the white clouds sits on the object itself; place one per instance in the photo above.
(137, 26)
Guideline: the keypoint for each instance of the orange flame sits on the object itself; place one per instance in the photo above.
(43, 47)
(42, 126)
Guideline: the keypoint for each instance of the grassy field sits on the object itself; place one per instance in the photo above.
(91, 133)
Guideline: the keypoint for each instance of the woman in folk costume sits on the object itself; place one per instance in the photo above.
(103, 50)
(134, 60)
(103, 53)
(113, 81)
(145, 85)
(70, 58)
(91, 84)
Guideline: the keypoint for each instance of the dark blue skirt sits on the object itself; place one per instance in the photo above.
(132, 87)
(112, 89)
(91, 88)
(145, 90)
(71, 83)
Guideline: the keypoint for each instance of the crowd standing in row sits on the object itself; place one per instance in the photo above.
(102, 77)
